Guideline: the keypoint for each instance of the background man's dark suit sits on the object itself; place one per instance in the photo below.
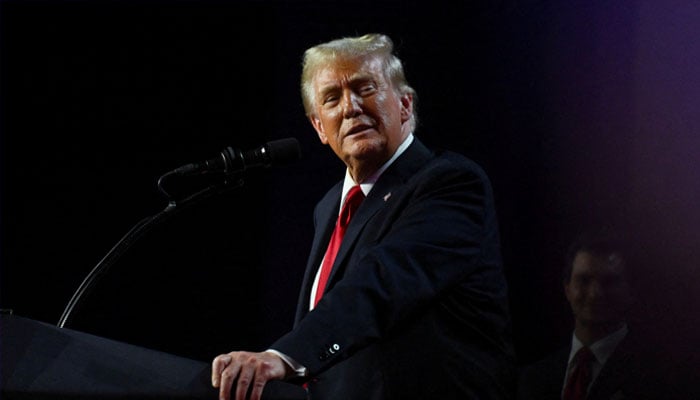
(637, 369)
(416, 306)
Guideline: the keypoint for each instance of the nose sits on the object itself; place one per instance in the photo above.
(596, 289)
(352, 105)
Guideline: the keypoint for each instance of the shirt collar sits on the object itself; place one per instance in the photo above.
(603, 348)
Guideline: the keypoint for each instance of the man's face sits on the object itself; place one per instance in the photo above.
(597, 291)
(357, 111)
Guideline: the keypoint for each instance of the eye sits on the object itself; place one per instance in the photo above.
(612, 281)
(582, 280)
(367, 89)
(329, 99)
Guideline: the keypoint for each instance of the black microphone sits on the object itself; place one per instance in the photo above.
(231, 160)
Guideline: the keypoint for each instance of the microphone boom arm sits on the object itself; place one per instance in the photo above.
(136, 232)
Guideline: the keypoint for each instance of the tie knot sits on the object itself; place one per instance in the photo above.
(584, 355)
(354, 192)
(352, 201)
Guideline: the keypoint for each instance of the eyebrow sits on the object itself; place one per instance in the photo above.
(352, 80)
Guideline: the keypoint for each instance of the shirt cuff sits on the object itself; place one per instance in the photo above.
(299, 370)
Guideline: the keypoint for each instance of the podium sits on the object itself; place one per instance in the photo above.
(42, 361)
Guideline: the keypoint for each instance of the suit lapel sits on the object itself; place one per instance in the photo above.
(615, 371)
(325, 216)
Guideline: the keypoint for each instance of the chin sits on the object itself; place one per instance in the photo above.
(367, 149)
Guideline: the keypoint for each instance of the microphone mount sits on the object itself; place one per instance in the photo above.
(231, 162)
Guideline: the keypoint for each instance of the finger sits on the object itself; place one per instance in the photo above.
(245, 377)
(264, 372)
(217, 366)
(257, 389)
(228, 377)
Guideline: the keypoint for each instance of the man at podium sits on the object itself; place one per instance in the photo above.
(404, 295)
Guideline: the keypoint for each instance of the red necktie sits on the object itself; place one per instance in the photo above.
(352, 201)
(580, 378)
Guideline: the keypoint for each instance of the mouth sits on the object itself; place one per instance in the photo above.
(360, 128)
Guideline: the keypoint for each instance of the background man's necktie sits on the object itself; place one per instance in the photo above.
(352, 201)
(577, 384)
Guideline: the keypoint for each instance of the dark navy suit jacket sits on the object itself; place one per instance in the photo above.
(416, 305)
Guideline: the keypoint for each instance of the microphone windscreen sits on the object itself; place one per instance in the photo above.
(283, 151)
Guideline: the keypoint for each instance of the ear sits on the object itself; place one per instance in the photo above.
(567, 291)
(318, 126)
(406, 107)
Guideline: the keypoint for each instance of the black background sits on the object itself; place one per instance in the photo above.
(583, 113)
